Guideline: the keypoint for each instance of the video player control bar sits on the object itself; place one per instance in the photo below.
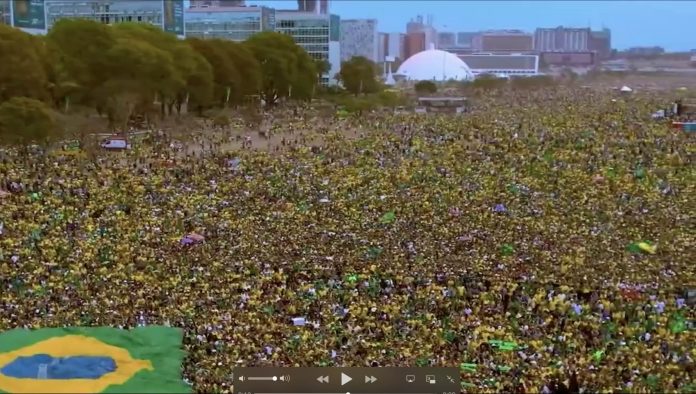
(277, 380)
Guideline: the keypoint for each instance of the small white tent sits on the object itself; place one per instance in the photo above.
(626, 89)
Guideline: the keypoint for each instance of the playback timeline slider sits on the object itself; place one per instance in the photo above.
(282, 378)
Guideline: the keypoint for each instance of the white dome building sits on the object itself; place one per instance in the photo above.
(434, 65)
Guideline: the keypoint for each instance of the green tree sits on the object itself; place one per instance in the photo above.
(358, 75)
(286, 68)
(138, 71)
(25, 120)
(79, 46)
(249, 78)
(225, 74)
(323, 67)
(22, 72)
(200, 84)
(425, 87)
(171, 86)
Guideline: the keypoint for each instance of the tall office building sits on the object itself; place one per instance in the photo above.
(318, 34)
(216, 3)
(359, 37)
(106, 11)
(418, 25)
(446, 40)
(391, 45)
(230, 23)
(503, 41)
(313, 6)
(600, 42)
(465, 39)
(415, 42)
(562, 39)
(381, 46)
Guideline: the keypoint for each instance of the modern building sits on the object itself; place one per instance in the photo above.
(600, 43)
(503, 41)
(446, 39)
(417, 25)
(562, 39)
(216, 3)
(313, 6)
(645, 51)
(502, 65)
(359, 37)
(415, 42)
(465, 39)
(382, 40)
(230, 23)
(568, 59)
(318, 34)
(434, 65)
(106, 11)
(392, 45)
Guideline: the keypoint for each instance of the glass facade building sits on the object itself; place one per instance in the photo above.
(105, 11)
(230, 23)
(310, 31)
(318, 34)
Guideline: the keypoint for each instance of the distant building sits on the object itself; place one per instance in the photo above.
(318, 34)
(5, 12)
(216, 3)
(502, 65)
(569, 59)
(465, 39)
(646, 51)
(415, 42)
(503, 41)
(433, 65)
(562, 39)
(446, 40)
(359, 37)
(381, 46)
(391, 44)
(229, 23)
(417, 25)
(105, 11)
(313, 6)
(600, 43)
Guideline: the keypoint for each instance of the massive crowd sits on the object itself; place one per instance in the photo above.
(543, 242)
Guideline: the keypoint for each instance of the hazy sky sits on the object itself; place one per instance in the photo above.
(633, 23)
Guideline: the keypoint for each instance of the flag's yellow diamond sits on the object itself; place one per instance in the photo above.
(67, 364)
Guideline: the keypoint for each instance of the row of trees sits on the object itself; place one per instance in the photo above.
(131, 69)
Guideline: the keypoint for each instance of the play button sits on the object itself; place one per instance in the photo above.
(345, 379)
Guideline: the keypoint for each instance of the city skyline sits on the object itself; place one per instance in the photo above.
(666, 21)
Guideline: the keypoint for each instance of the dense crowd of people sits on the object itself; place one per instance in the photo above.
(542, 243)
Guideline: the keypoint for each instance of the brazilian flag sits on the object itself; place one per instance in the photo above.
(92, 360)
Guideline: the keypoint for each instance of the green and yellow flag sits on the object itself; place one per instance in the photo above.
(92, 360)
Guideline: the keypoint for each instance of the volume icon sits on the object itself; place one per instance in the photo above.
(241, 378)
(285, 378)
